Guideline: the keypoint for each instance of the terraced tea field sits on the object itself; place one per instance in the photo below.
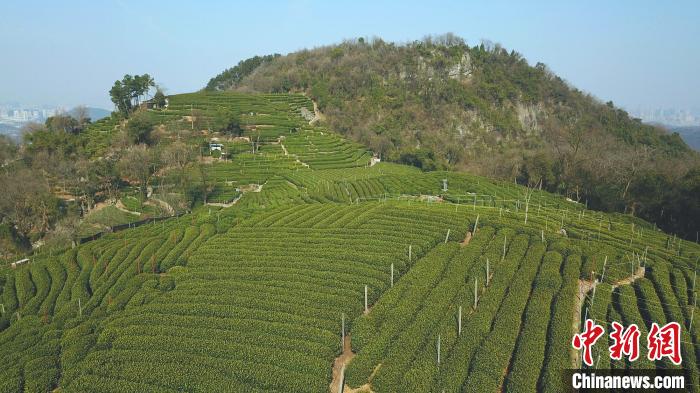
(476, 286)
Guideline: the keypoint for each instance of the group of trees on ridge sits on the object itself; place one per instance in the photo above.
(127, 94)
(439, 103)
(56, 175)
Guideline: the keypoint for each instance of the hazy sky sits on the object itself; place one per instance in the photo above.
(636, 53)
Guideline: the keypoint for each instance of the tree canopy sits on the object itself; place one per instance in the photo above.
(126, 94)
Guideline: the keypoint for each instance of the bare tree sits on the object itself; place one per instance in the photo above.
(27, 202)
(137, 164)
(178, 155)
(635, 159)
(206, 187)
(81, 114)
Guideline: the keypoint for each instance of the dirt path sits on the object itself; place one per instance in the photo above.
(318, 116)
(629, 280)
(466, 240)
(339, 366)
(100, 206)
(583, 287)
(252, 188)
(165, 205)
(244, 189)
(119, 205)
(233, 202)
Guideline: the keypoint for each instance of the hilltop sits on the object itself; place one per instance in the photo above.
(439, 103)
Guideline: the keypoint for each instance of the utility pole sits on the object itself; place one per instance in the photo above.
(488, 275)
(342, 331)
(341, 382)
(562, 221)
(392, 274)
(459, 321)
(366, 309)
(602, 277)
(528, 195)
(692, 312)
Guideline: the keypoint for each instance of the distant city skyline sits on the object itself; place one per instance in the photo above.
(16, 115)
(678, 117)
(13, 115)
(26, 115)
(638, 54)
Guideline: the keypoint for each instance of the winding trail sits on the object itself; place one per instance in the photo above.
(584, 287)
(339, 367)
(165, 205)
(244, 190)
(119, 205)
(233, 202)
(318, 116)
(629, 280)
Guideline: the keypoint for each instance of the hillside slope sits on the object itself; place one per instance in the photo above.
(322, 245)
(439, 103)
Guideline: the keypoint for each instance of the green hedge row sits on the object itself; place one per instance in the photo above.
(660, 277)
(528, 356)
(495, 351)
(559, 331)
(373, 333)
(478, 325)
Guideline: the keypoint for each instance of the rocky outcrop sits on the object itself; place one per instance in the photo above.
(463, 68)
(529, 116)
(307, 114)
(425, 67)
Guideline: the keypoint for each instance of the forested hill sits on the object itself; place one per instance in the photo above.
(439, 103)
